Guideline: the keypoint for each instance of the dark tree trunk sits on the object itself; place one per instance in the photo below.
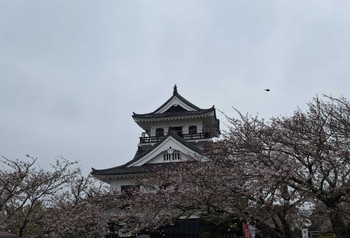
(272, 233)
(340, 226)
(286, 227)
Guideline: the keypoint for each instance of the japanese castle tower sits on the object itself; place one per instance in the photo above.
(172, 133)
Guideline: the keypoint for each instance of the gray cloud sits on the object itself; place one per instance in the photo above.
(72, 73)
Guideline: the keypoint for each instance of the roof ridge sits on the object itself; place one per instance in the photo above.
(180, 97)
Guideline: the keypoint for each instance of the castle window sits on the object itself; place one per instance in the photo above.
(176, 130)
(159, 132)
(172, 157)
(192, 129)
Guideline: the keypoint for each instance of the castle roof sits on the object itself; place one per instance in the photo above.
(130, 169)
(176, 105)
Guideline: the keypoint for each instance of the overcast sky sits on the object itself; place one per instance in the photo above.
(72, 72)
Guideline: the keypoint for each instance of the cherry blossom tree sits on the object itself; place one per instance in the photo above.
(221, 190)
(80, 210)
(59, 202)
(271, 173)
(317, 143)
(24, 188)
(308, 152)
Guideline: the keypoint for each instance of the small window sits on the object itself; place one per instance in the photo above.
(176, 130)
(192, 129)
(159, 132)
(172, 157)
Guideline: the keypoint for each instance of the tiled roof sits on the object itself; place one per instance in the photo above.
(141, 152)
(144, 150)
(123, 170)
(176, 94)
(171, 114)
(174, 113)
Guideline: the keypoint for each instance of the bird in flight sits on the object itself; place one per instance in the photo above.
(267, 89)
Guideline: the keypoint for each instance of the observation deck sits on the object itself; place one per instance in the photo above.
(194, 136)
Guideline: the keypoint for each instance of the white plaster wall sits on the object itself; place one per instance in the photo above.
(184, 124)
(117, 184)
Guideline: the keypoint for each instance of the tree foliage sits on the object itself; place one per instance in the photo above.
(276, 173)
(281, 174)
(59, 202)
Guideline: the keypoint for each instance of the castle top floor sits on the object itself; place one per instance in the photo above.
(178, 116)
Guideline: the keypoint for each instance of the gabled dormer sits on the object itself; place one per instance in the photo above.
(176, 103)
(179, 116)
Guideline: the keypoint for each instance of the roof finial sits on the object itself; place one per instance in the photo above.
(175, 89)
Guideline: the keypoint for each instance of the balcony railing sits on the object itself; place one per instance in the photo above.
(194, 136)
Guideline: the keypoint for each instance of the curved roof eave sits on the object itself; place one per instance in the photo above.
(175, 94)
(123, 171)
(171, 114)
